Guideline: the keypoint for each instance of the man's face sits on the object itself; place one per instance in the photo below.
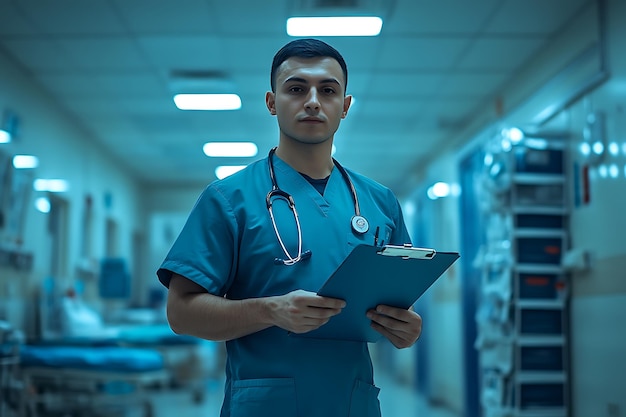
(309, 101)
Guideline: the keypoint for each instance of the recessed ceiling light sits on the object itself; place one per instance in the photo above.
(25, 161)
(334, 26)
(230, 149)
(5, 137)
(207, 101)
(51, 185)
(226, 170)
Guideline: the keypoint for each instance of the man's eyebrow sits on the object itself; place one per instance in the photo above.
(304, 81)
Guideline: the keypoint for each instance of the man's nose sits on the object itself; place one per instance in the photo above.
(312, 101)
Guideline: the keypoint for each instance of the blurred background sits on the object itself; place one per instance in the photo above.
(499, 124)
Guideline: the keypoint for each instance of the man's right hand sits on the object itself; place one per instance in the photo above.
(302, 311)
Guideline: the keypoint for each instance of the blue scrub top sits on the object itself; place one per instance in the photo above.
(228, 246)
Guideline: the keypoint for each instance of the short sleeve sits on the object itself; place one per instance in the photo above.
(204, 251)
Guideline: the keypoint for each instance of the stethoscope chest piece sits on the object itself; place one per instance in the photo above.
(360, 224)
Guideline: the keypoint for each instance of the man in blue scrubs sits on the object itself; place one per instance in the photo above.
(240, 275)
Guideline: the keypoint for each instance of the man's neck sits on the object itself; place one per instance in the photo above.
(312, 160)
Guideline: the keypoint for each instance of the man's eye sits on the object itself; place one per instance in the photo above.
(296, 89)
(329, 90)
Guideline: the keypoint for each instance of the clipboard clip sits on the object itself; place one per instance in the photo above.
(407, 251)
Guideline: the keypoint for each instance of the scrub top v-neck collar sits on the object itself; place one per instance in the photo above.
(294, 183)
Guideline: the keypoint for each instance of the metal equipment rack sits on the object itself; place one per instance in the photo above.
(528, 191)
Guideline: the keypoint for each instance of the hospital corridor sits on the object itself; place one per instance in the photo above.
(312, 208)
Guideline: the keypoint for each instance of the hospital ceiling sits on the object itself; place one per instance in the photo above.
(113, 66)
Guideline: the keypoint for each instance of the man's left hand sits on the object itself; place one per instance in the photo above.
(402, 327)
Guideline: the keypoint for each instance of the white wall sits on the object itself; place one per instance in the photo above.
(65, 151)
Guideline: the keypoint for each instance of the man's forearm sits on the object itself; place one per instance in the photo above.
(216, 318)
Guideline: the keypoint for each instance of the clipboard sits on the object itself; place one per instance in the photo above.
(369, 276)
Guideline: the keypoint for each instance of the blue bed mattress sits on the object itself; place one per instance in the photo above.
(139, 336)
(100, 358)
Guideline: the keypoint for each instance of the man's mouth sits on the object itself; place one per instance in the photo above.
(312, 120)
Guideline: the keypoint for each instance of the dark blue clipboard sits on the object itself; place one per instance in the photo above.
(366, 279)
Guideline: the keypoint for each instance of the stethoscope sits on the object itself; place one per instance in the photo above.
(360, 225)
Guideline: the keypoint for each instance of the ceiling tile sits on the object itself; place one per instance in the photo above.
(72, 17)
(413, 84)
(532, 16)
(190, 52)
(103, 53)
(12, 21)
(252, 18)
(110, 86)
(240, 57)
(472, 84)
(439, 17)
(39, 54)
(167, 17)
(500, 53)
(420, 53)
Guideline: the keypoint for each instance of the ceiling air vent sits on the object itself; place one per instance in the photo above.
(354, 6)
(334, 4)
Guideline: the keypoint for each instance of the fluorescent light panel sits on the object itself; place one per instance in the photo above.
(25, 161)
(230, 149)
(5, 137)
(207, 101)
(51, 185)
(226, 170)
(334, 26)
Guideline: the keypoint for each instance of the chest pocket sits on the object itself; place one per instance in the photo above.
(271, 397)
(368, 238)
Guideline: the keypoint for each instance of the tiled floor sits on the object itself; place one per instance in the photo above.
(396, 400)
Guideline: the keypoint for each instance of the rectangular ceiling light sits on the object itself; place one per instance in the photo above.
(334, 26)
(224, 171)
(230, 149)
(5, 137)
(25, 161)
(207, 101)
(51, 185)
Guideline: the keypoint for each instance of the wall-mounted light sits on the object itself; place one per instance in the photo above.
(443, 189)
(594, 134)
(42, 204)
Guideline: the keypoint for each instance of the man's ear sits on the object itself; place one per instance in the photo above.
(347, 101)
(270, 102)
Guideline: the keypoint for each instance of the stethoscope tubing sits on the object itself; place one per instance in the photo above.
(359, 224)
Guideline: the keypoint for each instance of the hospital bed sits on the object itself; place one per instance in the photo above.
(91, 367)
(89, 380)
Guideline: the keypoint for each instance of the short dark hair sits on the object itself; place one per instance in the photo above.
(306, 48)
